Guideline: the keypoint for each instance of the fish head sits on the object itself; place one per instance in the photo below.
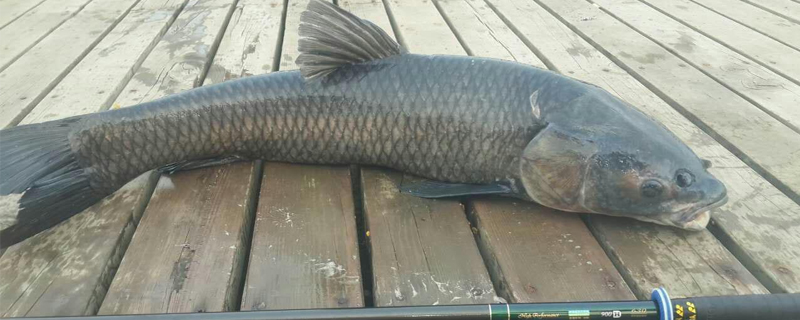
(666, 188)
(619, 162)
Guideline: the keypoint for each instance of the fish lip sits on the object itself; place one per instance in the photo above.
(688, 217)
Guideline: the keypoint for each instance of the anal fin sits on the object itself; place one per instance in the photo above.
(197, 164)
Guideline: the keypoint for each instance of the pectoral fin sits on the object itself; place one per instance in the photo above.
(197, 164)
(436, 189)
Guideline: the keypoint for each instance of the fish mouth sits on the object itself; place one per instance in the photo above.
(697, 218)
(694, 219)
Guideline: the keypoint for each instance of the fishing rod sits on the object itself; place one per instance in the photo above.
(661, 307)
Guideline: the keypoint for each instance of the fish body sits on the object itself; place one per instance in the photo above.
(448, 118)
(471, 125)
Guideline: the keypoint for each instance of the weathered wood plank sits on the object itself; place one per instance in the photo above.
(178, 61)
(66, 270)
(14, 9)
(771, 92)
(183, 255)
(548, 270)
(423, 250)
(26, 82)
(304, 252)
(484, 34)
(97, 80)
(202, 243)
(784, 8)
(421, 21)
(250, 43)
(768, 52)
(688, 263)
(372, 10)
(758, 216)
(33, 26)
(541, 255)
(769, 24)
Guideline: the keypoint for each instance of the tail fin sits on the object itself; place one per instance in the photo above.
(41, 183)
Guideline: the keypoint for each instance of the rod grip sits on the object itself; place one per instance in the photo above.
(747, 307)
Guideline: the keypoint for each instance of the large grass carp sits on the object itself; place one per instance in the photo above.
(471, 125)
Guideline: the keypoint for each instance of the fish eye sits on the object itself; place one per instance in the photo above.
(652, 188)
(684, 178)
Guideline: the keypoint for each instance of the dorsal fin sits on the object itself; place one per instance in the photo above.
(331, 37)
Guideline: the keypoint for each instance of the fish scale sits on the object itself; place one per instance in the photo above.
(305, 122)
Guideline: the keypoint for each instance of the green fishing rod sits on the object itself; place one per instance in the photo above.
(661, 307)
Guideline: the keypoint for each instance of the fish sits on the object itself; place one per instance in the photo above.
(469, 125)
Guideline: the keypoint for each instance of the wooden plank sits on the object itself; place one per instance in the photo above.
(34, 26)
(199, 223)
(542, 255)
(33, 75)
(423, 251)
(769, 91)
(178, 61)
(305, 250)
(97, 80)
(755, 208)
(484, 34)
(549, 270)
(764, 50)
(67, 269)
(783, 8)
(778, 28)
(250, 42)
(420, 20)
(687, 263)
(14, 9)
(374, 11)
(184, 254)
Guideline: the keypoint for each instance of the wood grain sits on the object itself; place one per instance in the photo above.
(183, 256)
(423, 251)
(14, 9)
(754, 204)
(104, 72)
(421, 29)
(305, 249)
(251, 40)
(783, 8)
(765, 50)
(542, 255)
(33, 26)
(691, 263)
(32, 76)
(484, 34)
(770, 91)
(65, 270)
(778, 28)
(304, 252)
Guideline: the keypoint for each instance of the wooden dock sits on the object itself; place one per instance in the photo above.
(723, 75)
